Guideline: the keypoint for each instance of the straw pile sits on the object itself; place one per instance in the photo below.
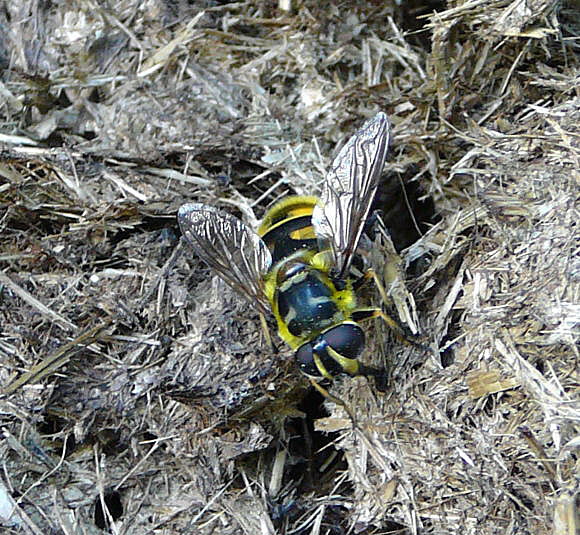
(139, 394)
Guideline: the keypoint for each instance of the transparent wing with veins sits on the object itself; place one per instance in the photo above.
(228, 246)
(349, 189)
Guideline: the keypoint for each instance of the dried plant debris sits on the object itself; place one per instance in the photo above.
(139, 394)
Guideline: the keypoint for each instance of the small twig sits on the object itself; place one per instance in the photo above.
(31, 300)
(58, 359)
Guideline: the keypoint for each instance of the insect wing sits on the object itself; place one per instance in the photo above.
(349, 189)
(228, 246)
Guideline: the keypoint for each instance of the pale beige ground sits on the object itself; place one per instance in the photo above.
(132, 375)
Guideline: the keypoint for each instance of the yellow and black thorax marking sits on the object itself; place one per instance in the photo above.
(304, 297)
(300, 264)
(287, 227)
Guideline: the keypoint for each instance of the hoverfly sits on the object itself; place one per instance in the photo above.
(298, 264)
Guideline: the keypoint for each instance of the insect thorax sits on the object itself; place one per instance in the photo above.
(305, 300)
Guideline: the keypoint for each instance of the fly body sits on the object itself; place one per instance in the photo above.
(297, 266)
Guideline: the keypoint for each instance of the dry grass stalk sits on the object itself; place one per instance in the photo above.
(178, 412)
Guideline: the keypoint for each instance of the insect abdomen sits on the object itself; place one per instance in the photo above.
(289, 237)
(287, 227)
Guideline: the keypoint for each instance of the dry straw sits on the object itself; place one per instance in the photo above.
(139, 393)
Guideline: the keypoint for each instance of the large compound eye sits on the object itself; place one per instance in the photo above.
(347, 339)
(305, 359)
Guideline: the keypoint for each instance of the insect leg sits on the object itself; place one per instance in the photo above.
(362, 314)
(370, 274)
(334, 399)
(367, 313)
